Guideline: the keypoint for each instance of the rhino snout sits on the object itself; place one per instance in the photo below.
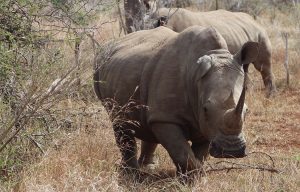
(228, 147)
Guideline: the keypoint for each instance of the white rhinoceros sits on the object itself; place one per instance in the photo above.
(236, 28)
(192, 87)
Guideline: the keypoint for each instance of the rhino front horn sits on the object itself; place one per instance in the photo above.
(240, 105)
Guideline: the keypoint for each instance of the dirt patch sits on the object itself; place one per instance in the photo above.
(275, 124)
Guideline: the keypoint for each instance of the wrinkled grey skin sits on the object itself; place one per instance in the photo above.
(192, 87)
(236, 28)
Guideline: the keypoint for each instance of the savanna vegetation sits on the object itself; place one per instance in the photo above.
(56, 136)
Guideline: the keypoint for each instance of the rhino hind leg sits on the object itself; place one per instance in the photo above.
(127, 145)
(264, 65)
(147, 155)
(267, 76)
(172, 139)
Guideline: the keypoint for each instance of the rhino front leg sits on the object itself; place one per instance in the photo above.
(200, 150)
(127, 145)
(147, 153)
(172, 139)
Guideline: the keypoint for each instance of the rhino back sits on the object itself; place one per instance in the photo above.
(236, 28)
(120, 75)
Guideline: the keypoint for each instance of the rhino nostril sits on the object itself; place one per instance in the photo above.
(228, 145)
(230, 142)
(219, 152)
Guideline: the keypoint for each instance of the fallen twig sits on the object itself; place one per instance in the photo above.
(239, 166)
(36, 144)
(259, 152)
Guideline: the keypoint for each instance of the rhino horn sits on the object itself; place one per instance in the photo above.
(233, 117)
(240, 105)
(230, 100)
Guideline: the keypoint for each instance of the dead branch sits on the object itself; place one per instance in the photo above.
(77, 62)
(122, 27)
(242, 167)
(170, 16)
(263, 153)
(38, 101)
(38, 145)
(94, 43)
(285, 36)
(16, 119)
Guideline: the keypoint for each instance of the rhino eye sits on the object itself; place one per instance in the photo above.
(205, 109)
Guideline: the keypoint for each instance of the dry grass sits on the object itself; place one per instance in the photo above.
(87, 159)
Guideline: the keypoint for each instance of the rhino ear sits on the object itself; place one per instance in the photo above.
(248, 53)
(204, 64)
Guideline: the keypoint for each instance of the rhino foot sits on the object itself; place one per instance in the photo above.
(271, 93)
(147, 158)
(148, 164)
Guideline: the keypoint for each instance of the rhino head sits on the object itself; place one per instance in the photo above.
(221, 107)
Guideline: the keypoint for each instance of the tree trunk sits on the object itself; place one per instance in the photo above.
(217, 4)
(133, 15)
(183, 3)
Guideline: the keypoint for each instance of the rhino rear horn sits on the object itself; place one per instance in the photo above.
(248, 53)
(230, 100)
(233, 117)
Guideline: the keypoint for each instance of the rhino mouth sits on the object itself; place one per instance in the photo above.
(217, 151)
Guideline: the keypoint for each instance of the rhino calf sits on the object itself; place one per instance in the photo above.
(193, 88)
(236, 28)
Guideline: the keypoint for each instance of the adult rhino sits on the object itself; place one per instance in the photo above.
(236, 28)
(192, 87)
